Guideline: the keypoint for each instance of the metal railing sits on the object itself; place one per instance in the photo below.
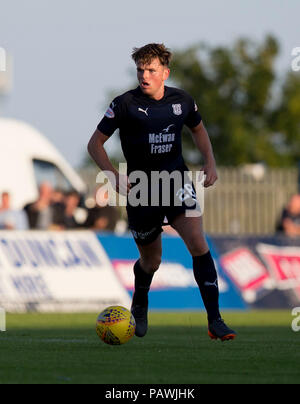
(248, 200)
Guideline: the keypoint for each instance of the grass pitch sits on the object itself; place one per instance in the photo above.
(64, 349)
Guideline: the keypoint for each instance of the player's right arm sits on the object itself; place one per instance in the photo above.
(97, 152)
(111, 121)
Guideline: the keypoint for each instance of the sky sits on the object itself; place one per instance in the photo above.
(69, 56)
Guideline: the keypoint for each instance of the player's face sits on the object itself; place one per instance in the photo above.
(152, 77)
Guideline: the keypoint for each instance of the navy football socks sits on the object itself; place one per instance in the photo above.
(206, 277)
(142, 285)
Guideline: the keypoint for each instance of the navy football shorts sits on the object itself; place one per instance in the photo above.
(146, 222)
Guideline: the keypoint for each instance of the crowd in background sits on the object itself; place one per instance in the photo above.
(289, 222)
(57, 210)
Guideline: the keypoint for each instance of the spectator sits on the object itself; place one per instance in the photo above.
(66, 214)
(290, 219)
(58, 207)
(104, 217)
(57, 196)
(11, 219)
(40, 213)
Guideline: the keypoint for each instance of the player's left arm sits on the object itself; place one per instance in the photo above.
(203, 144)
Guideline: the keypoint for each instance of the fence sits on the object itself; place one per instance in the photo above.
(246, 201)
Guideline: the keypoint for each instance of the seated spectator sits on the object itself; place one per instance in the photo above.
(67, 215)
(290, 219)
(11, 219)
(57, 196)
(104, 217)
(40, 213)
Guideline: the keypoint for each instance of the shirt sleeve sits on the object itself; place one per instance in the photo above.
(193, 118)
(112, 118)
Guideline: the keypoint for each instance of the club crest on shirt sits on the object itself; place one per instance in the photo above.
(110, 113)
(177, 109)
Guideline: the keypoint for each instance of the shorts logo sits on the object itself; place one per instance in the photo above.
(110, 113)
(142, 235)
(177, 109)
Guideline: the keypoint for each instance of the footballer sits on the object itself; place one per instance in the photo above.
(150, 119)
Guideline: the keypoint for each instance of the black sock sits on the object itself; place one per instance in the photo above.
(206, 277)
(141, 285)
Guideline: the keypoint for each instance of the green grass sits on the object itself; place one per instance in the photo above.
(64, 348)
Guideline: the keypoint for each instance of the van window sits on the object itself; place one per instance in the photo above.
(48, 172)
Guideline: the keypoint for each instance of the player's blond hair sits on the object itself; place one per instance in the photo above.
(147, 53)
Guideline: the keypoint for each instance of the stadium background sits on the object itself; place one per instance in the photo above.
(64, 272)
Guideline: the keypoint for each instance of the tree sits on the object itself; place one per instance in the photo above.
(234, 90)
(285, 119)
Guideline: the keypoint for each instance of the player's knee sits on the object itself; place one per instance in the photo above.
(151, 265)
(198, 247)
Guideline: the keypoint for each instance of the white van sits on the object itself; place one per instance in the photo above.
(27, 158)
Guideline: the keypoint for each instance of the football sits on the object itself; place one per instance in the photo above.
(115, 325)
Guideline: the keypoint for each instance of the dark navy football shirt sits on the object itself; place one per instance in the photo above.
(150, 130)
